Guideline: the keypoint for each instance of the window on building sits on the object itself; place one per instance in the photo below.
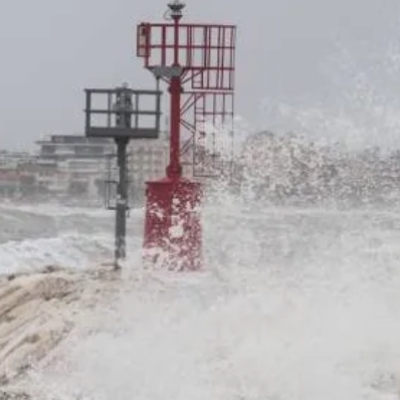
(48, 149)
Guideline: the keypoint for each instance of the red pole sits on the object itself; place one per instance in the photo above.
(174, 169)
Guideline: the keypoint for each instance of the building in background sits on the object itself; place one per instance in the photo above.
(74, 167)
(11, 174)
(79, 164)
(85, 165)
(64, 147)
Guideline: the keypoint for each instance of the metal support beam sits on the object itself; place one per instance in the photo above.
(123, 107)
(122, 203)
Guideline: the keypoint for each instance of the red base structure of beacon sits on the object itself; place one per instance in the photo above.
(200, 56)
(172, 224)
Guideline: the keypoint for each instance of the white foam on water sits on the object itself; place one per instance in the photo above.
(55, 210)
(71, 251)
(33, 237)
(291, 304)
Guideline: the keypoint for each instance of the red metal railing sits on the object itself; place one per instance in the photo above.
(206, 54)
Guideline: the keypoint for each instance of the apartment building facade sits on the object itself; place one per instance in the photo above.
(69, 166)
(76, 164)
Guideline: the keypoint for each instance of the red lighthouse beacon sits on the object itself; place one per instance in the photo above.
(197, 62)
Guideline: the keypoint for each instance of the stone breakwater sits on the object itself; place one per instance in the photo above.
(38, 311)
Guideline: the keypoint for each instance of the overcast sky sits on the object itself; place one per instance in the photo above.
(300, 63)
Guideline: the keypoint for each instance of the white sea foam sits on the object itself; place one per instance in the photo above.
(70, 250)
(33, 237)
(291, 305)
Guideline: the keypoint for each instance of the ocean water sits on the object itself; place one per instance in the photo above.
(32, 237)
(291, 304)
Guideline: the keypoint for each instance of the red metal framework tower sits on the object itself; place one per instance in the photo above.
(197, 61)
